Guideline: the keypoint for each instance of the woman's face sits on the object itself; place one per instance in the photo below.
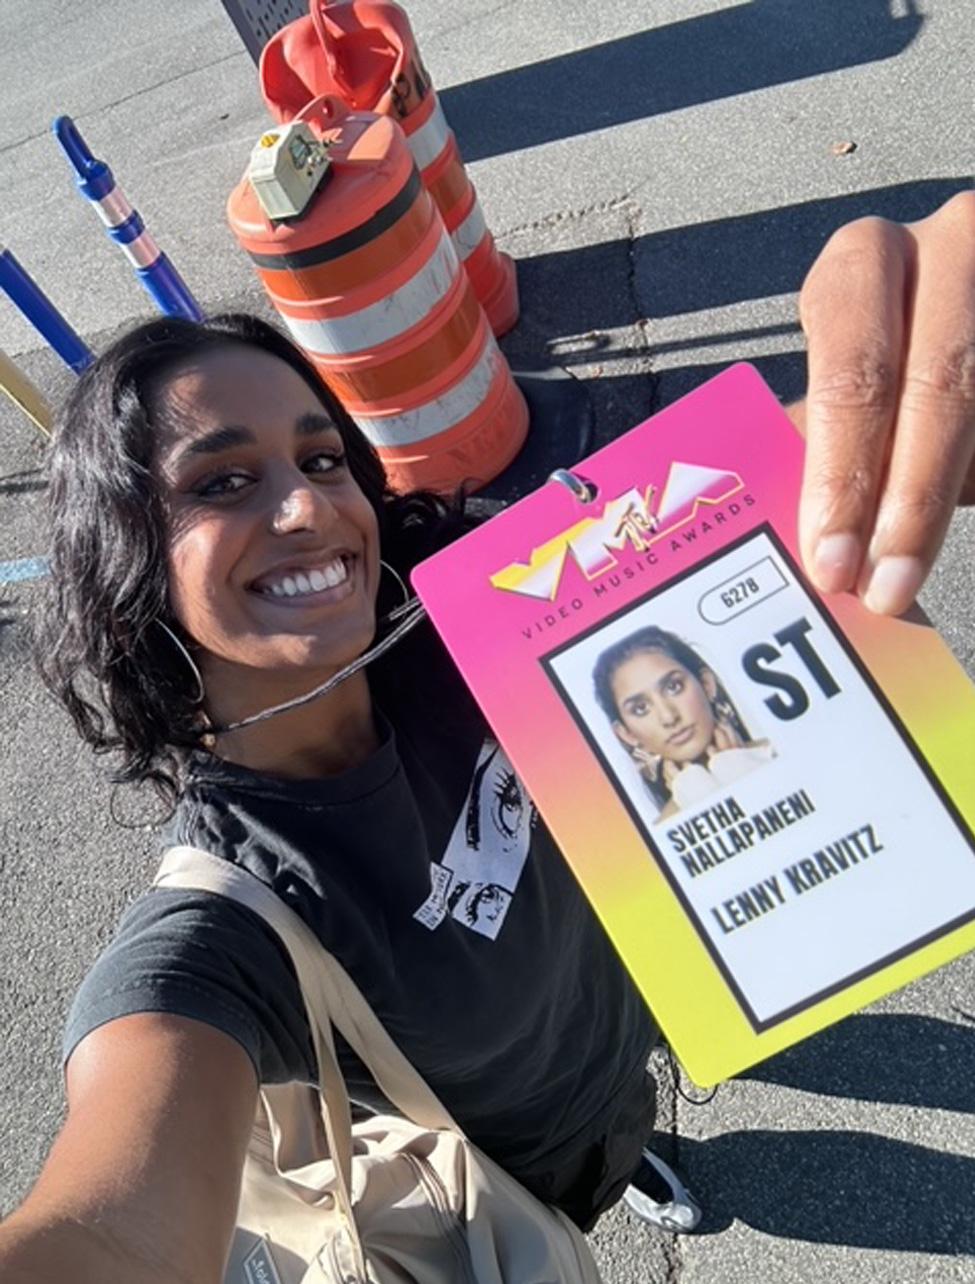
(273, 550)
(663, 709)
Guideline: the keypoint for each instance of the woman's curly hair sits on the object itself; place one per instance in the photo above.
(122, 680)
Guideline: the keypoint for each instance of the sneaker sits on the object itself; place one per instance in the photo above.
(658, 1196)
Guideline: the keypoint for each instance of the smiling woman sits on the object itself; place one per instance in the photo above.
(384, 813)
(219, 533)
(219, 447)
(273, 547)
(160, 466)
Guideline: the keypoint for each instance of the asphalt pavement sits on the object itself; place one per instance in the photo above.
(664, 175)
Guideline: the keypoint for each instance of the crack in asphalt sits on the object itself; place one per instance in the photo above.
(565, 216)
(633, 213)
(638, 352)
(663, 1071)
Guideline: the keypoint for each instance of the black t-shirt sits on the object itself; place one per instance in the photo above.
(428, 873)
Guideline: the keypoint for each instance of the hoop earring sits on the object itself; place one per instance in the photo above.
(197, 675)
(723, 708)
(644, 761)
(408, 601)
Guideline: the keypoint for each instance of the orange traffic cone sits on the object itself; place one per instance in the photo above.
(364, 52)
(369, 284)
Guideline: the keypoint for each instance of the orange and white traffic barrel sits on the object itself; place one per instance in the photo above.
(364, 52)
(368, 282)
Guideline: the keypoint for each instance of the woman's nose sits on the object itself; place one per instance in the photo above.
(300, 507)
(671, 714)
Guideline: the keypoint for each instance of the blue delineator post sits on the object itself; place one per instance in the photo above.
(24, 291)
(124, 225)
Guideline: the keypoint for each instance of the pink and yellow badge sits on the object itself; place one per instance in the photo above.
(763, 792)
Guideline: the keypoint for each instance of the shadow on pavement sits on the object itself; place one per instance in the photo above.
(29, 481)
(784, 372)
(833, 1187)
(844, 1187)
(574, 297)
(726, 261)
(898, 1059)
(14, 640)
(734, 51)
(704, 265)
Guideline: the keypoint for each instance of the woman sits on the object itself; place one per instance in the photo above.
(141, 1183)
(674, 718)
(223, 542)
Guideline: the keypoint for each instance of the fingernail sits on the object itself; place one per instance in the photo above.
(894, 584)
(836, 562)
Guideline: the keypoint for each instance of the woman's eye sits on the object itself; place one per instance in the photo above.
(323, 462)
(675, 686)
(226, 484)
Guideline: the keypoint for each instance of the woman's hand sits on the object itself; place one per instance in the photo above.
(889, 417)
(670, 770)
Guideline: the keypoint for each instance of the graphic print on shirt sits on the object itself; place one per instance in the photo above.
(477, 876)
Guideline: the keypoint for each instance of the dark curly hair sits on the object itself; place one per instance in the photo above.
(124, 683)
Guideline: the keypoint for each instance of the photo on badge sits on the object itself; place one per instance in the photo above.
(666, 706)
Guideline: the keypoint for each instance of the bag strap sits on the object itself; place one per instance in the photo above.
(330, 994)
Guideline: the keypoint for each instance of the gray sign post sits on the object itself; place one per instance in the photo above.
(257, 20)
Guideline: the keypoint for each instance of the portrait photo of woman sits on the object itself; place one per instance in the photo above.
(674, 718)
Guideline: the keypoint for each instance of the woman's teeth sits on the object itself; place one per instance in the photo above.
(315, 581)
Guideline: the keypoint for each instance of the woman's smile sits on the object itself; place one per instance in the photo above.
(326, 580)
(273, 547)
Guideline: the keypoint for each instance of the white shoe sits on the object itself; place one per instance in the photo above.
(679, 1214)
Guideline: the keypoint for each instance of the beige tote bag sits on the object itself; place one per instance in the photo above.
(387, 1201)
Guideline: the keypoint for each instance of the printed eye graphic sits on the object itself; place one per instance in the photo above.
(508, 807)
(487, 904)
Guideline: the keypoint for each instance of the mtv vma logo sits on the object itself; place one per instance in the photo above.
(629, 521)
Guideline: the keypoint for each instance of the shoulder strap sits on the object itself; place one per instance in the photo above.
(330, 994)
(197, 870)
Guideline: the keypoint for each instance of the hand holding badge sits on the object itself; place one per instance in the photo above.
(763, 791)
